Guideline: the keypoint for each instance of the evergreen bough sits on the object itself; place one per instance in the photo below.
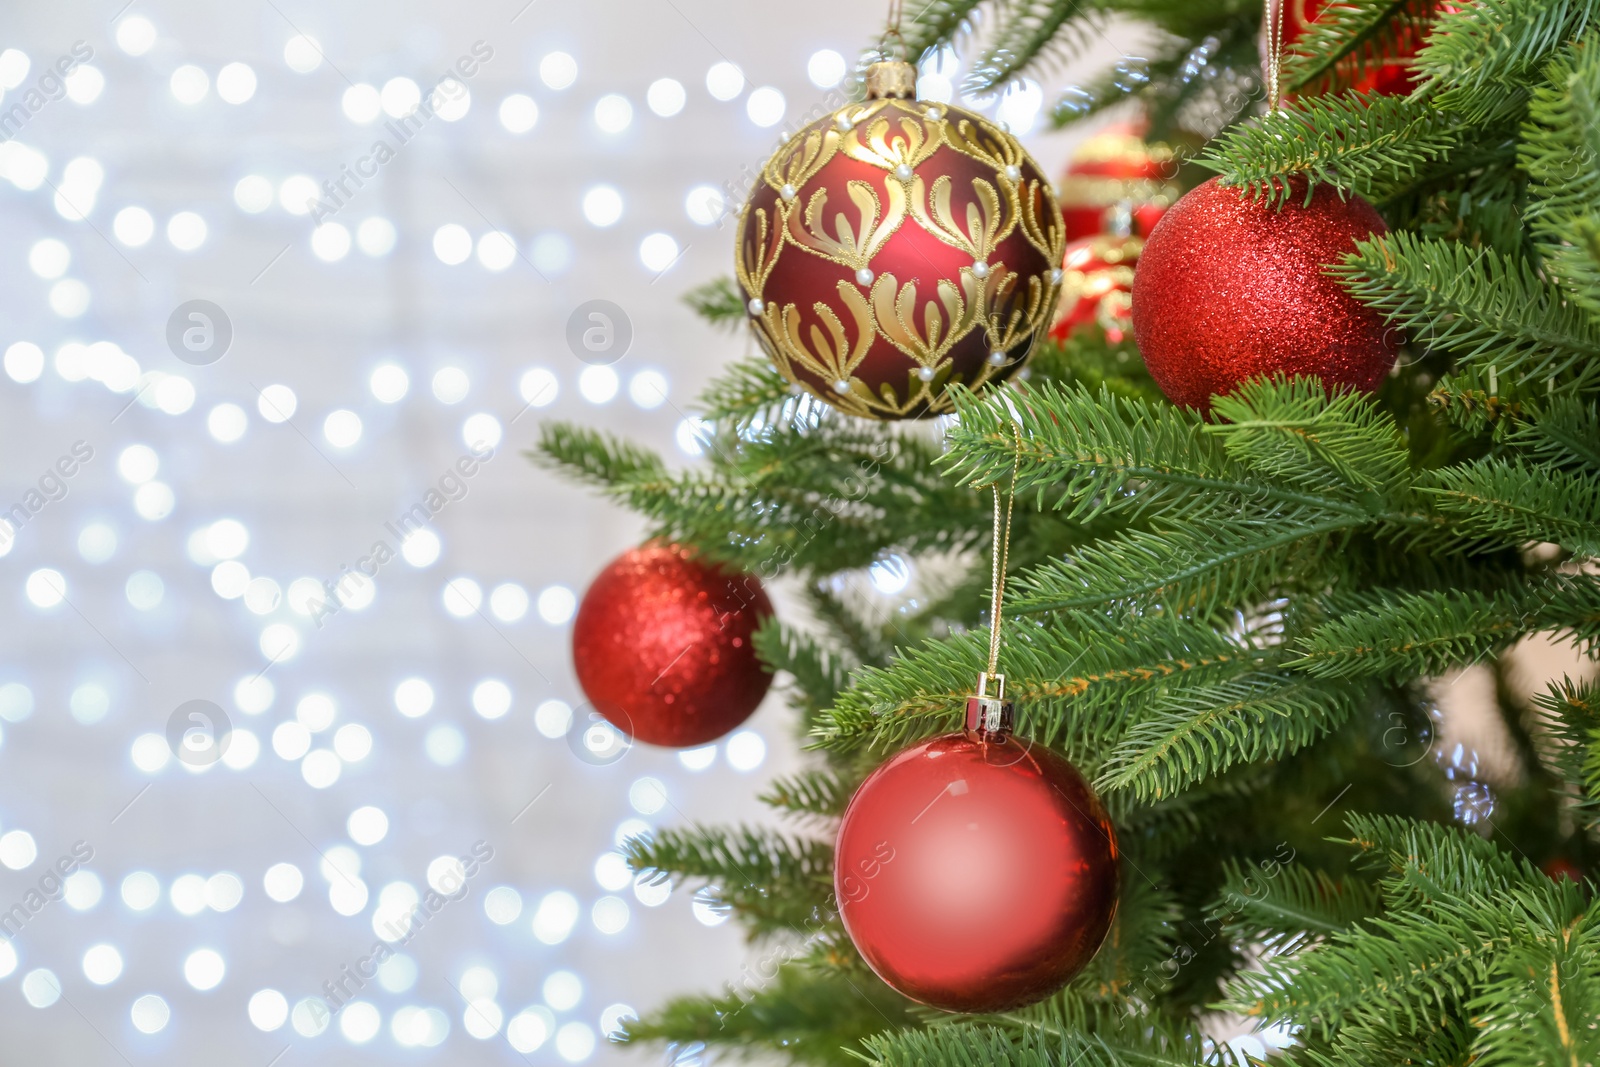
(1227, 624)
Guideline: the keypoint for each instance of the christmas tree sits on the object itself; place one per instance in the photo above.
(1227, 621)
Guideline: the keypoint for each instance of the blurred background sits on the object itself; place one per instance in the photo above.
(250, 719)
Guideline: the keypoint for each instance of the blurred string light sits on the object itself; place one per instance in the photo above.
(658, 251)
(613, 113)
(552, 916)
(826, 68)
(724, 81)
(666, 97)
(135, 35)
(602, 205)
(705, 205)
(558, 70)
(598, 384)
(765, 106)
(450, 385)
(519, 113)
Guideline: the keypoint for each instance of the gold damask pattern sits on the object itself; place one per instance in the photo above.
(1008, 196)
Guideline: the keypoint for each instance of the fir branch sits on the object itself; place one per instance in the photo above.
(1543, 1008)
(1033, 34)
(750, 391)
(1560, 150)
(815, 674)
(592, 457)
(1443, 1040)
(817, 793)
(1566, 434)
(1514, 503)
(777, 884)
(859, 640)
(1199, 732)
(804, 1015)
(1358, 142)
(1077, 677)
(1481, 57)
(1484, 306)
(1570, 714)
(719, 302)
(1477, 402)
(1128, 1042)
(1103, 454)
(1291, 430)
(932, 23)
(1404, 634)
(1347, 39)
(1397, 971)
(1423, 863)
(1200, 566)
(1285, 907)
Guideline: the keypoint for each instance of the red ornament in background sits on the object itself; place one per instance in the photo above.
(1560, 867)
(662, 646)
(1117, 167)
(896, 247)
(1390, 76)
(1229, 289)
(1097, 286)
(975, 872)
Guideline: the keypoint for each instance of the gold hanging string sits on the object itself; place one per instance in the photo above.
(1274, 17)
(1001, 551)
(893, 31)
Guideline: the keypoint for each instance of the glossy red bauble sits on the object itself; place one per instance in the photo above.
(1229, 288)
(662, 646)
(1097, 286)
(897, 247)
(976, 875)
(1113, 168)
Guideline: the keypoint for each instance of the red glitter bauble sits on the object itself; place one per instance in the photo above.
(662, 646)
(1097, 286)
(896, 247)
(1390, 75)
(1117, 167)
(1229, 289)
(976, 875)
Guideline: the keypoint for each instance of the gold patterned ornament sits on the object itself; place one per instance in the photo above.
(897, 247)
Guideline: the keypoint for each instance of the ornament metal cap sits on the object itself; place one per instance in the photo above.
(989, 718)
(891, 78)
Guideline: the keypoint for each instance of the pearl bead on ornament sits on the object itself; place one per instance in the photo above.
(1014, 173)
(841, 386)
(903, 172)
(1056, 276)
(787, 192)
(980, 269)
(756, 306)
(864, 276)
(997, 358)
(926, 374)
(935, 114)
